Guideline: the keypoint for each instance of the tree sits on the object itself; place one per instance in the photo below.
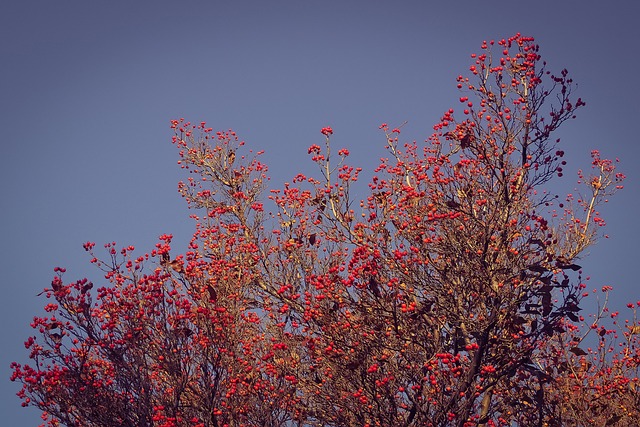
(449, 296)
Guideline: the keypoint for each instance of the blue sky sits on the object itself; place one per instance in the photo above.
(87, 90)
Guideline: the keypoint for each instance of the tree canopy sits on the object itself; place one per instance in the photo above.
(448, 295)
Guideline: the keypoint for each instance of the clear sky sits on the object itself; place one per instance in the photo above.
(87, 90)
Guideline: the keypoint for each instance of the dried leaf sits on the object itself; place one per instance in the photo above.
(176, 266)
(453, 204)
(578, 351)
(537, 268)
(374, 287)
(546, 304)
(634, 329)
(574, 267)
(213, 296)
(613, 420)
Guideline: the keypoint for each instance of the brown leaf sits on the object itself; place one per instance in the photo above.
(467, 140)
(176, 266)
(183, 332)
(374, 288)
(546, 304)
(613, 420)
(573, 307)
(353, 364)
(453, 204)
(213, 296)
(537, 242)
(634, 329)
(538, 268)
(578, 351)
